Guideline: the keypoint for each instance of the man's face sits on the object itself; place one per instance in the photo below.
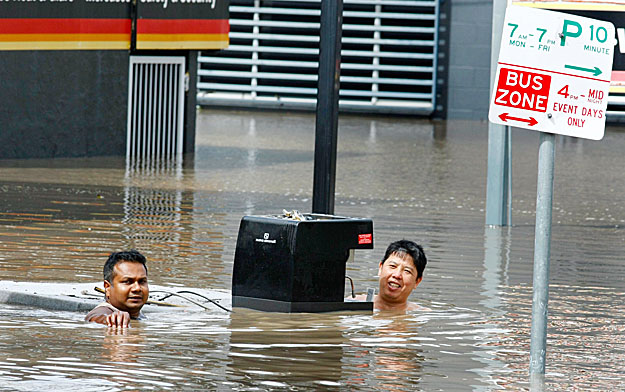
(398, 277)
(129, 289)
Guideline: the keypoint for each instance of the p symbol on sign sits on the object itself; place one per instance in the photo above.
(567, 33)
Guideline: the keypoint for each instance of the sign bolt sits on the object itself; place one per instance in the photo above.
(549, 115)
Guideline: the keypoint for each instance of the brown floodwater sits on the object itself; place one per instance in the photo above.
(417, 179)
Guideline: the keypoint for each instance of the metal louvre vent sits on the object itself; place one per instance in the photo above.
(155, 108)
(616, 105)
(388, 55)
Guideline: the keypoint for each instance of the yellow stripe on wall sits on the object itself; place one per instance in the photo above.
(111, 41)
(182, 45)
(182, 41)
(64, 45)
(572, 6)
(64, 37)
(182, 37)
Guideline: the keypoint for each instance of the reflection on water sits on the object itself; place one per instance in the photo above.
(157, 212)
(416, 179)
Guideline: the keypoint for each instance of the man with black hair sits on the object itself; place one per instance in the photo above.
(126, 290)
(400, 271)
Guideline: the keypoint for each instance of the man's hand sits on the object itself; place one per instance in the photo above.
(107, 317)
(118, 319)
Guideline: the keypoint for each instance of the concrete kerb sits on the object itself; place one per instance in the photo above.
(46, 302)
(81, 297)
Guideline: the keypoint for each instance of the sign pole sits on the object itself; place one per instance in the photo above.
(498, 178)
(542, 250)
(553, 76)
(326, 126)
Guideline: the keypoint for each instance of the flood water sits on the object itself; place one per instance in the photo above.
(60, 218)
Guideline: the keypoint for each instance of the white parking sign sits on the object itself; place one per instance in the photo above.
(553, 73)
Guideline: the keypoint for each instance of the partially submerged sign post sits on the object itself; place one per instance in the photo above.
(553, 76)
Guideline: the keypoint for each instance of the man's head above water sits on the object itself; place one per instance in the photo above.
(126, 289)
(115, 258)
(400, 271)
(126, 281)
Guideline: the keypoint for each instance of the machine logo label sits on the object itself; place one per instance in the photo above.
(365, 239)
(266, 239)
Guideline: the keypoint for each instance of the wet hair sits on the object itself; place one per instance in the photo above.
(411, 249)
(132, 256)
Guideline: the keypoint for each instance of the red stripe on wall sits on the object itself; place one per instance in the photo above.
(183, 26)
(618, 76)
(65, 26)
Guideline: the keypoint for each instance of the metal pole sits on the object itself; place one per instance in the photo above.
(498, 178)
(542, 250)
(326, 130)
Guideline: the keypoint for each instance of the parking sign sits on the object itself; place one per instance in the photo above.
(553, 73)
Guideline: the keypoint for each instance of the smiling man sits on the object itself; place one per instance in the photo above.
(126, 290)
(400, 271)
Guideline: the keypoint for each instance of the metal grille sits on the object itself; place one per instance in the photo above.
(155, 108)
(388, 55)
(616, 106)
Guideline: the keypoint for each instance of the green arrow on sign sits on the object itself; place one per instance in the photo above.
(596, 71)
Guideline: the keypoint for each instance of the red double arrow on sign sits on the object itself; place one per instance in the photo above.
(530, 121)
